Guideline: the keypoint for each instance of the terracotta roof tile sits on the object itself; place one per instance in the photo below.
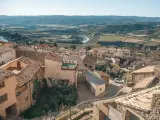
(53, 56)
(29, 71)
(5, 49)
(90, 60)
(4, 74)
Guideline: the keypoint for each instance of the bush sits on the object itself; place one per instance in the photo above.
(52, 98)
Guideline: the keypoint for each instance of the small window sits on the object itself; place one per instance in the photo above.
(100, 89)
(90, 66)
(3, 98)
(86, 65)
(2, 84)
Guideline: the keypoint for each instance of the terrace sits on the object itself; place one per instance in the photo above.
(69, 66)
(15, 70)
(14, 66)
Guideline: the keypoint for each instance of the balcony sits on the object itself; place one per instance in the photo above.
(15, 70)
(68, 66)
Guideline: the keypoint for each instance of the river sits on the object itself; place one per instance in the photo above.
(85, 39)
(3, 39)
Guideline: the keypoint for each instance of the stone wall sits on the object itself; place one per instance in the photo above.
(38, 56)
(96, 113)
(150, 115)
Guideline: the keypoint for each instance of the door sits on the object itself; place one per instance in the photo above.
(18, 64)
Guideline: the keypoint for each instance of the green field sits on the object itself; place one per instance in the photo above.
(111, 38)
(106, 37)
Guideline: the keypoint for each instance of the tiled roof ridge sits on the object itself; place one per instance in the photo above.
(138, 93)
(143, 80)
(29, 71)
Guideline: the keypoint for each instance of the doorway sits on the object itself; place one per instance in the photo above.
(11, 110)
(18, 64)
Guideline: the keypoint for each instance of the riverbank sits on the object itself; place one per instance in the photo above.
(3, 39)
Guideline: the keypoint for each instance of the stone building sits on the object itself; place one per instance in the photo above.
(145, 83)
(142, 73)
(141, 105)
(31, 53)
(44, 48)
(17, 78)
(122, 53)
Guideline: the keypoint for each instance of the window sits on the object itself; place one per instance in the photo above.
(18, 64)
(90, 66)
(100, 89)
(3, 98)
(2, 84)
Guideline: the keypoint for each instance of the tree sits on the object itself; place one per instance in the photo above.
(52, 98)
(88, 48)
(55, 44)
(73, 47)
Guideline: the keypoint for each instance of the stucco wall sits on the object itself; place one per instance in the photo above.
(10, 87)
(38, 56)
(13, 64)
(24, 100)
(8, 56)
(154, 114)
(100, 89)
(53, 69)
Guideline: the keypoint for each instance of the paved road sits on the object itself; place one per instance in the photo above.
(86, 95)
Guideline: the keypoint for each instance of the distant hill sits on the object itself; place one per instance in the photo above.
(155, 33)
(74, 20)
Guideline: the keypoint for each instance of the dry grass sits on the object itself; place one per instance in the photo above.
(113, 38)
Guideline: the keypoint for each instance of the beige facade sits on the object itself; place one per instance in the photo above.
(95, 82)
(100, 89)
(19, 88)
(53, 69)
(122, 53)
(10, 90)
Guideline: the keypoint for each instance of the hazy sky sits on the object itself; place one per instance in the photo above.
(81, 7)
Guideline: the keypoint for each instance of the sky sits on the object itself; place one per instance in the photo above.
(150, 8)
